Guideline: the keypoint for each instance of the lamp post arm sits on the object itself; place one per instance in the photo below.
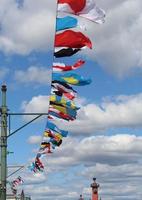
(21, 167)
(26, 124)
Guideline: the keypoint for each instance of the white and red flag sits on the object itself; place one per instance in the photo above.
(59, 67)
(84, 8)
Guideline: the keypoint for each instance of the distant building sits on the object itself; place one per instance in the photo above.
(81, 197)
(95, 186)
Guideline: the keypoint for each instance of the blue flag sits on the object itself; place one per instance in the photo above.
(53, 127)
(71, 78)
(66, 23)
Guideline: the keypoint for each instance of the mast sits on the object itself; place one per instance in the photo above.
(3, 144)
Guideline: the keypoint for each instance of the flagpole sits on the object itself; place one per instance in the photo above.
(3, 145)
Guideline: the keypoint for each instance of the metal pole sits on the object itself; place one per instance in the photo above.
(3, 144)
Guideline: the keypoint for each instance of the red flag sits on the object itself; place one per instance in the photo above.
(72, 39)
(76, 5)
(59, 67)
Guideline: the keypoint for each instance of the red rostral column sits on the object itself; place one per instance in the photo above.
(95, 187)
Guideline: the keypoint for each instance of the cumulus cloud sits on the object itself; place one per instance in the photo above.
(114, 160)
(125, 178)
(41, 192)
(27, 28)
(34, 178)
(38, 104)
(35, 75)
(117, 112)
(117, 42)
(127, 171)
(113, 150)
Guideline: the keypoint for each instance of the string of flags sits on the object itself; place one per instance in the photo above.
(15, 183)
(67, 43)
(61, 102)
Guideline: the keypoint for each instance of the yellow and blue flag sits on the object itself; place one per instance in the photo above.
(71, 78)
(50, 125)
(62, 101)
(68, 111)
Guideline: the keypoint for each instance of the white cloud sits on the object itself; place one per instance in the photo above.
(37, 104)
(113, 150)
(117, 42)
(117, 112)
(35, 75)
(34, 139)
(41, 192)
(27, 28)
(125, 178)
(34, 178)
(127, 171)
(114, 160)
(120, 111)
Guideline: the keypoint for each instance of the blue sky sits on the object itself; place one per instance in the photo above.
(105, 140)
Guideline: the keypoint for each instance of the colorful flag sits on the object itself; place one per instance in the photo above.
(72, 39)
(84, 8)
(48, 133)
(65, 52)
(50, 125)
(43, 151)
(55, 138)
(59, 67)
(55, 142)
(14, 184)
(56, 113)
(14, 191)
(54, 135)
(62, 101)
(69, 96)
(39, 165)
(32, 167)
(68, 111)
(60, 88)
(71, 78)
(66, 23)
(17, 181)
